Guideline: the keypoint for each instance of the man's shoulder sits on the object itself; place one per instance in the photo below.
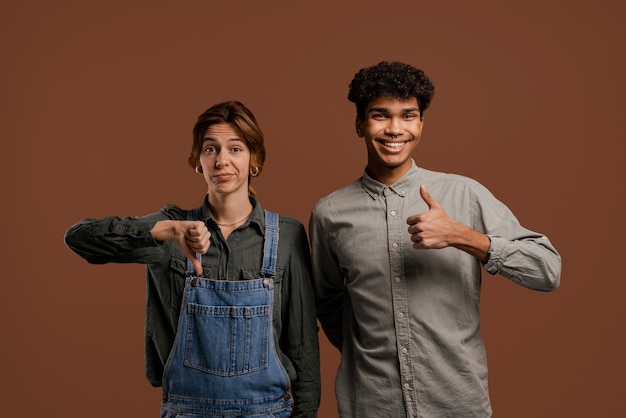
(454, 186)
(341, 195)
(443, 177)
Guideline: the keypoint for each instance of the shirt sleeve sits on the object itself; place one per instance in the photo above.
(115, 239)
(328, 280)
(524, 256)
(301, 340)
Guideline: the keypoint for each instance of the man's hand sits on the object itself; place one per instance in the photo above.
(435, 229)
(191, 236)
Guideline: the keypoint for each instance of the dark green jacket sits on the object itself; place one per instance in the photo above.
(128, 240)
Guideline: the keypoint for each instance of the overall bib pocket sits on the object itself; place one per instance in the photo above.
(243, 330)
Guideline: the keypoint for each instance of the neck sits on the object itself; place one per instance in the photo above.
(387, 175)
(230, 209)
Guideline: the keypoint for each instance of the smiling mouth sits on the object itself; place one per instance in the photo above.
(393, 144)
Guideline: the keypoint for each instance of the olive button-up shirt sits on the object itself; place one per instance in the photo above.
(406, 320)
(128, 240)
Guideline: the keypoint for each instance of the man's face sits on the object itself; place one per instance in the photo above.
(391, 129)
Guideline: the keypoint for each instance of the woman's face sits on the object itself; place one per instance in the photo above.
(225, 160)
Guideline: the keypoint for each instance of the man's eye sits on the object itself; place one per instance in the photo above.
(379, 116)
(409, 116)
(209, 149)
(237, 149)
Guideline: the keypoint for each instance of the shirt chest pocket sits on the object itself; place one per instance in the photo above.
(178, 274)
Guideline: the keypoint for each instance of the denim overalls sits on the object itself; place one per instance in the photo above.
(223, 362)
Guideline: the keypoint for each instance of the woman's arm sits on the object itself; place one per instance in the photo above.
(301, 342)
(135, 240)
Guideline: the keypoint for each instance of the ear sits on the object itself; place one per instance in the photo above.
(358, 125)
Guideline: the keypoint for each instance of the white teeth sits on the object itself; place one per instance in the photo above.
(393, 144)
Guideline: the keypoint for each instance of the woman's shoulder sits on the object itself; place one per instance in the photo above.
(289, 225)
(174, 212)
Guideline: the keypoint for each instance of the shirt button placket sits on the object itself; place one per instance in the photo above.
(397, 233)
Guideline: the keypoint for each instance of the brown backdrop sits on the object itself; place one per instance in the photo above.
(97, 103)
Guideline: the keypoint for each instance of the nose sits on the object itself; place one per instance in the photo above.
(221, 160)
(394, 128)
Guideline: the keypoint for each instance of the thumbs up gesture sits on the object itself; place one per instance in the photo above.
(433, 229)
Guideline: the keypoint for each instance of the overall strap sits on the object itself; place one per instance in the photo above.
(270, 247)
(192, 215)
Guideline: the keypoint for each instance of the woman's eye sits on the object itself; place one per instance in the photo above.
(237, 149)
(209, 149)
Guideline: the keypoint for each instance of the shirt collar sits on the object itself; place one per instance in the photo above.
(401, 187)
(257, 217)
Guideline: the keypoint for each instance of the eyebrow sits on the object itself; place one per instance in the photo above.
(385, 110)
(208, 138)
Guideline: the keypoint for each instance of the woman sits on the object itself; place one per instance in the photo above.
(230, 318)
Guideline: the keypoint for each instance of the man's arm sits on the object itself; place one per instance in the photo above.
(512, 251)
(435, 230)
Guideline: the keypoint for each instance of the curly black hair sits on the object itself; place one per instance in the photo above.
(390, 79)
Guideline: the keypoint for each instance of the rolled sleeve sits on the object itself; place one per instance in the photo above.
(531, 262)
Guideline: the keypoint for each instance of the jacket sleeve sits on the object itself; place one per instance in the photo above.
(328, 280)
(519, 254)
(301, 339)
(115, 240)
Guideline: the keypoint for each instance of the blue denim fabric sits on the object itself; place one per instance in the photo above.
(224, 362)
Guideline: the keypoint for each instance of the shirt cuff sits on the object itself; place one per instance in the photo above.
(497, 254)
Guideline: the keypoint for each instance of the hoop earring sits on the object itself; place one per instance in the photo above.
(198, 169)
(255, 172)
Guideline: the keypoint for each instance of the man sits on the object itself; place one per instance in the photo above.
(401, 302)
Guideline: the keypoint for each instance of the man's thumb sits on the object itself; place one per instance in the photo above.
(427, 197)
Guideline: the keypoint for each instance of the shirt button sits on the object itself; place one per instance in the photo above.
(406, 385)
(402, 193)
(393, 213)
(401, 315)
(394, 245)
(398, 280)
(404, 351)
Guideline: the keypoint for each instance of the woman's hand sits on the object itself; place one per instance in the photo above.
(191, 236)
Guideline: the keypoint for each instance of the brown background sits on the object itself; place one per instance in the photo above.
(98, 99)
